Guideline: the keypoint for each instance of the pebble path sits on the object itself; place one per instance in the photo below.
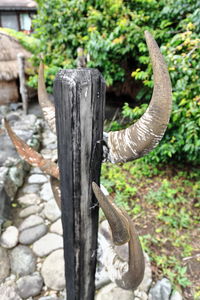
(31, 248)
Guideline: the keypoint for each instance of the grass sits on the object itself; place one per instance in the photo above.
(164, 204)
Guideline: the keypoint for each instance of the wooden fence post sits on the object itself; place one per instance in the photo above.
(22, 82)
(79, 101)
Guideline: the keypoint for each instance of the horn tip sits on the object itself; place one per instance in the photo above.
(4, 122)
(41, 66)
(146, 32)
(95, 186)
(148, 35)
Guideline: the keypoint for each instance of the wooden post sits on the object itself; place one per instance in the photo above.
(79, 101)
(22, 82)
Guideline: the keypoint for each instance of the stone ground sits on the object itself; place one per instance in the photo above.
(31, 248)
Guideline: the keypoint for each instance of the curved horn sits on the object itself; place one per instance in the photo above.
(141, 137)
(30, 155)
(46, 105)
(117, 221)
(55, 186)
(127, 275)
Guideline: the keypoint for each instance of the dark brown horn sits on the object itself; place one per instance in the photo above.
(127, 275)
(55, 186)
(116, 220)
(141, 137)
(46, 105)
(30, 155)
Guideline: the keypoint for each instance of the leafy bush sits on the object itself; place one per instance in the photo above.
(112, 33)
(28, 41)
(182, 140)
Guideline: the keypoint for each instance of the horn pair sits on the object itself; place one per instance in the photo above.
(124, 145)
(141, 137)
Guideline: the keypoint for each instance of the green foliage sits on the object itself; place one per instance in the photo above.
(28, 41)
(112, 33)
(168, 204)
(115, 181)
(134, 113)
(182, 52)
(171, 206)
(108, 30)
(197, 294)
(171, 267)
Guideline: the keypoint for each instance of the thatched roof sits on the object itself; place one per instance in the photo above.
(9, 49)
(29, 5)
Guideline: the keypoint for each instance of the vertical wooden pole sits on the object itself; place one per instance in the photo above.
(22, 82)
(79, 101)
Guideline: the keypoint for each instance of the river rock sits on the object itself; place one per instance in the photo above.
(29, 199)
(9, 293)
(22, 260)
(5, 204)
(113, 292)
(31, 221)
(30, 210)
(13, 116)
(26, 122)
(17, 174)
(46, 193)
(161, 290)
(56, 227)
(49, 154)
(63, 295)
(50, 138)
(51, 211)
(31, 189)
(49, 298)
(30, 235)
(37, 178)
(4, 264)
(47, 244)
(7, 150)
(29, 286)
(52, 146)
(176, 296)
(101, 278)
(53, 270)
(9, 238)
(36, 170)
(3, 174)
(140, 295)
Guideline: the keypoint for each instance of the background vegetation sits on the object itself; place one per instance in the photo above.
(164, 204)
(112, 33)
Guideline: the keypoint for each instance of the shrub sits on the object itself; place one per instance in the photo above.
(112, 33)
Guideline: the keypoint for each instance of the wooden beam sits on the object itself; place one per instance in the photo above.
(79, 101)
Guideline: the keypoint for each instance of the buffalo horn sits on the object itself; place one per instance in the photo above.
(141, 137)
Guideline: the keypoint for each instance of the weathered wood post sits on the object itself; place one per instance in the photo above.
(22, 82)
(79, 101)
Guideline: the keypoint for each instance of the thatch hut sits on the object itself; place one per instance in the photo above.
(9, 69)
